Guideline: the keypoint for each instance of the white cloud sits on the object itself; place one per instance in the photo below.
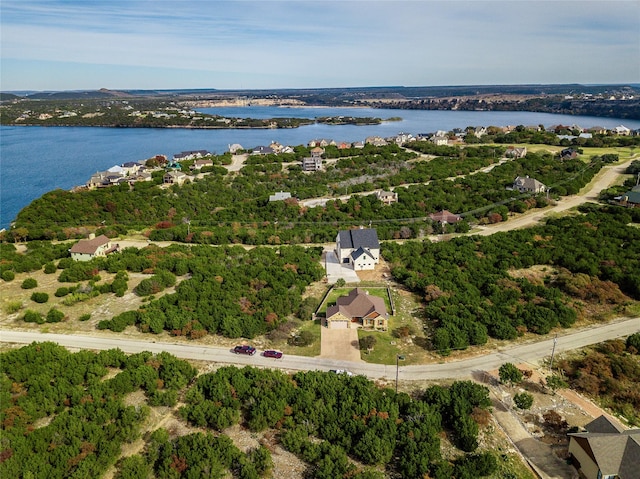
(296, 43)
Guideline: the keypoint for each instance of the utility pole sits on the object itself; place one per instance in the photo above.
(553, 351)
(398, 359)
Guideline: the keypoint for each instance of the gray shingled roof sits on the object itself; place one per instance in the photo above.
(614, 449)
(365, 238)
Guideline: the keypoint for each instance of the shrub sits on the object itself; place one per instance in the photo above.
(54, 316)
(50, 268)
(8, 275)
(31, 316)
(305, 338)
(523, 400)
(509, 373)
(633, 341)
(85, 317)
(60, 292)
(39, 297)
(13, 307)
(29, 283)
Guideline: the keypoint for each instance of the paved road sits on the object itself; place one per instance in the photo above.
(527, 353)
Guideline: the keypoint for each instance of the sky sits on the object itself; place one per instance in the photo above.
(242, 44)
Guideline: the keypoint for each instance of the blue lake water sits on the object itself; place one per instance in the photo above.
(34, 160)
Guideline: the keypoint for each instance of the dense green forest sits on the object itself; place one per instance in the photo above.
(224, 290)
(65, 415)
(226, 209)
(470, 293)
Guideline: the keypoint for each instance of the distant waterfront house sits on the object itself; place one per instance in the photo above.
(445, 217)
(387, 197)
(85, 250)
(343, 145)
(524, 184)
(174, 177)
(198, 164)
(622, 130)
(262, 150)
(358, 247)
(605, 450)
(190, 155)
(513, 152)
(439, 140)
(375, 141)
(321, 142)
(279, 196)
(235, 148)
(357, 309)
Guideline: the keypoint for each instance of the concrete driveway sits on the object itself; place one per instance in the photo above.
(340, 344)
(336, 270)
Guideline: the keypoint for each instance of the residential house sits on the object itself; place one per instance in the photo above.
(97, 180)
(276, 147)
(358, 247)
(198, 164)
(568, 154)
(445, 217)
(622, 130)
(598, 130)
(387, 197)
(402, 138)
(524, 184)
(190, 155)
(279, 196)
(322, 142)
(605, 450)
(513, 152)
(262, 150)
(131, 167)
(439, 140)
(343, 145)
(312, 163)
(630, 199)
(87, 249)
(233, 149)
(357, 309)
(480, 131)
(174, 177)
(375, 141)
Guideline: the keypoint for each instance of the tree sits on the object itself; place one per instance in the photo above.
(509, 373)
(556, 382)
(523, 400)
(633, 343)
(367, 342)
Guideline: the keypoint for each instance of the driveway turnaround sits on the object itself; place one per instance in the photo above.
(336, 270)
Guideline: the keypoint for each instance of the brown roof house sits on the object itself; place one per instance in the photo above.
(359, 247)
(445, 217)
(606, 450)
(87, 249)
(357, 310)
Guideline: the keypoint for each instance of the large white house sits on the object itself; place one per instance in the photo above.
(358, 247)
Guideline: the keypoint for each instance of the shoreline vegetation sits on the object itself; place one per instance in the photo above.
(178, 109)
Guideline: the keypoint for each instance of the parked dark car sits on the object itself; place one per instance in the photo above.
(245, 349)
(270, 353)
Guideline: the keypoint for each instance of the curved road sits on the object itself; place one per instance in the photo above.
(525, 353)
